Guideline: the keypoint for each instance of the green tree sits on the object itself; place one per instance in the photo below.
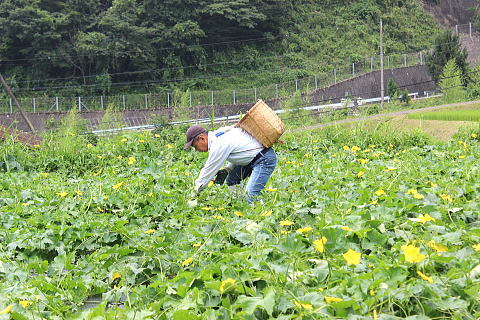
(473, 87)
(451, 83)
(447, 46)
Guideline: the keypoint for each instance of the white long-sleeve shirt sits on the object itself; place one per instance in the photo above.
(235, 146)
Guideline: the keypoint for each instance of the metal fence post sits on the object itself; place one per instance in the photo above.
(56, 104)
(456, 29)
(79, 103)
(335, 75)
(123, 101)
(388, 62)
(276, 90)
(146, 101)
(234, 97)
(353, 69)
(421, 57)
(190, 98)
(168, 99)
(11, 107)
(255, 93)
(296, 85)
(404, 59)
(371, 64)
(316, 82)
(34, 106)
(101, 102)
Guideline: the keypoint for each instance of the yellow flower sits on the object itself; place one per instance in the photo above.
(367, 150)
(461, 157)
(360, 174)
(379, 192)
(355, 149)
(390, 169)
(286, 223)
(362, 161)
(78, 192)
(116, 275)
(437, 247)
(149, 231)
(206, 209)
(187, 262)
(196, 245)
(284, 232)
(266, 213)
(150, 194)
(425, 277)
(431, 184)
(346, 228)
(372, 293)
(218, 217)
(352, 257)
(446, 197)
(141, 140)
(418, 196)
(211, 183)
(157, 135)
(62, 194)
(374, 202)
(118, 185)
(227, 284)
(423, 218)
(412, 191)
(36, 146)
(412, 254)
(7, 309)
(99, 157)
(305, 306)
(131, 160)
(238, 214)
(372, 146)
(89, 145)
(271, 189)
(44, 174)
(168, 146)
(320, 244)
(304, 230)
(474, 136)
(188, 173)
(346, 148)
(25, 303)
(124, 140)
(332, 299)
(476, 247)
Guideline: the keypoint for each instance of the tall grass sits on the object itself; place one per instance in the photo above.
(457, 115)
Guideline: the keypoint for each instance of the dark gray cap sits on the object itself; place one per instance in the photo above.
(192, 133)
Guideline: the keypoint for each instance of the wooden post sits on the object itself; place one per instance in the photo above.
(12, 96)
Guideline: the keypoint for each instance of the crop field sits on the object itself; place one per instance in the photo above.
(354, 224)
(449, 115)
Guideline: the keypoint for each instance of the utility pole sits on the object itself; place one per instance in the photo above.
(382, 90)
(10, 93)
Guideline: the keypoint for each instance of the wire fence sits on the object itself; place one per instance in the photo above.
(212, 97)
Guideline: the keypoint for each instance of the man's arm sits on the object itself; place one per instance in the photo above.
(216, 157)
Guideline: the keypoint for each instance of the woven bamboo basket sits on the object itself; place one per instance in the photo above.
(262, 123)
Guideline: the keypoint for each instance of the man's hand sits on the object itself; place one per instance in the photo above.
(221, 176)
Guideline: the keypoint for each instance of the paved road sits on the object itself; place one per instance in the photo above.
(381, 115)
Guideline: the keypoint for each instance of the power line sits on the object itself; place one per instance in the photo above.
(51, 59)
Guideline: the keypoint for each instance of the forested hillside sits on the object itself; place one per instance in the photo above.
(106, 47)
